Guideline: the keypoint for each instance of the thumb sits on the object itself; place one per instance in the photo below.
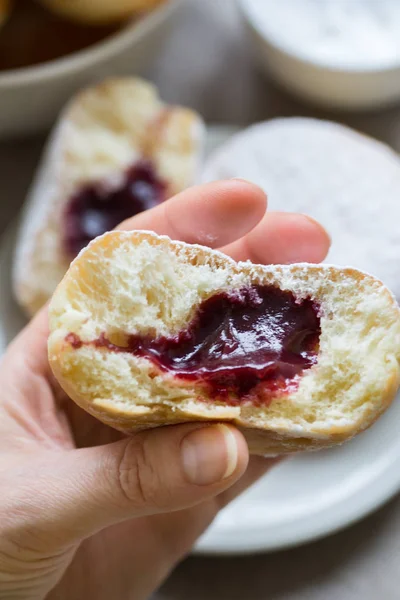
(82, 491)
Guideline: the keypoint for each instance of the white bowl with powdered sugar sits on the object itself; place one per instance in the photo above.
(334, 53)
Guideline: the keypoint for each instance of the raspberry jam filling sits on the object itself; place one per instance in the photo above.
(235, 342)
(96, 209)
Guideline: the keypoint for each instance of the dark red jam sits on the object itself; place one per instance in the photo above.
(235, 342)
(96, 208)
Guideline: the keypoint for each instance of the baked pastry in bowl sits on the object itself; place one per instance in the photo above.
(99, 11)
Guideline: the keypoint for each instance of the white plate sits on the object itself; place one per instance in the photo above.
(304, 498)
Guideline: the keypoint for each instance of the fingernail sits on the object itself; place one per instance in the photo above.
(209, 454)
(318, 224)
(241, 179)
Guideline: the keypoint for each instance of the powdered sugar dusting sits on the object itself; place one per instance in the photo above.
(348, 182)
(340, 33)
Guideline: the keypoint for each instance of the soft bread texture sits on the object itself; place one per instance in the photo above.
(347, 181)
(103, 131)
(137, 282)
(99, 11)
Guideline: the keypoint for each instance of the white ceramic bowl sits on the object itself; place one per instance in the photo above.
(31, 98)
(348, 88)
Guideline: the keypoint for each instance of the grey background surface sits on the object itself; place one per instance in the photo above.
(207, 64)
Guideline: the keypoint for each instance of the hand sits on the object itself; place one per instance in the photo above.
(87, 513)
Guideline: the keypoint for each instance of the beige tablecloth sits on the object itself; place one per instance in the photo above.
(206, 64)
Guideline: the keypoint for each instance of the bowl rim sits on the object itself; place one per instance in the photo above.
(277, 43)
(96, 53)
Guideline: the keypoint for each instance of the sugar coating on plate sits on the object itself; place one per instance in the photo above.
(348, 182)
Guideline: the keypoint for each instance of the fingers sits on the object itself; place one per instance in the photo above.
(214, 214)
(157, 471)
(282, 238)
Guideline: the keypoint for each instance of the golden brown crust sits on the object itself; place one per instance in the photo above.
(261, 442)
(100, 11)
(261, 439)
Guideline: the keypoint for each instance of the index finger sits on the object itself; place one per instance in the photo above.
(213, 214)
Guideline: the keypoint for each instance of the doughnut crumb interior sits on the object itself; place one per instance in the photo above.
(145, 331)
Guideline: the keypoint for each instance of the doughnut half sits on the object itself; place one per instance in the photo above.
(138, 286)
(106, 131)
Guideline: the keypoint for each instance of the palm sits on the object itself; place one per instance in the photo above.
(62, 424)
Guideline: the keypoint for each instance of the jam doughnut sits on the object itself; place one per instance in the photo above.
(117, 150)
(146, 331)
